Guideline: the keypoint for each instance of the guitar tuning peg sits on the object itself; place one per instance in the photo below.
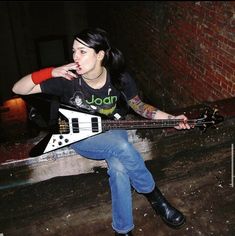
(215, 111)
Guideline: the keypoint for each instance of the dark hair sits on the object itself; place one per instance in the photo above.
(97, 39)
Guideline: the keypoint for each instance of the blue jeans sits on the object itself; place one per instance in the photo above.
(126, 168)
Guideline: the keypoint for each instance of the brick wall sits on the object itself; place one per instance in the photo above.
(181, 53)
(201, 51)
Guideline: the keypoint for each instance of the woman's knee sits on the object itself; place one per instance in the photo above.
(115, 165)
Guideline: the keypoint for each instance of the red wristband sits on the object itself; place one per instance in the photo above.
(41, 75)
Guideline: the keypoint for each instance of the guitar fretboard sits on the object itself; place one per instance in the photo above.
(144, 124)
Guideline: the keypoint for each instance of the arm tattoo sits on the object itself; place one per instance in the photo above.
(142, 108)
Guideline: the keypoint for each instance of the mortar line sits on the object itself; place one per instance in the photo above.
(232, 165)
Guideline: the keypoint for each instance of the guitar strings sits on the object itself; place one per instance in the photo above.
(126, 124)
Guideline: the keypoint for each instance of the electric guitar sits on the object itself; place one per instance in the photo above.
(74, 126)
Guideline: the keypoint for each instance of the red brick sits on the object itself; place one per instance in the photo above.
(192, 45)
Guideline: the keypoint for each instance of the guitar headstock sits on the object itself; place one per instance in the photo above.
(209, 118)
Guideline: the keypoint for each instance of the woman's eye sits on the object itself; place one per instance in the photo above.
(81, 51)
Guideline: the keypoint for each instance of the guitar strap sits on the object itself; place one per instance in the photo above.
(42, 109)
(54, 111)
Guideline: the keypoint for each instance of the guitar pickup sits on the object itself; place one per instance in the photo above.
(75, 125)
(94, 124)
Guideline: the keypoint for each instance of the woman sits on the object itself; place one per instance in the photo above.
(97, 81)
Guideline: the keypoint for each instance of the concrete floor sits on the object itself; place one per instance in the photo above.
(192, 169)
(80, 205)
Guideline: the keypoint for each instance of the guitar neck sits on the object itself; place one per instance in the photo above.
(145, 124)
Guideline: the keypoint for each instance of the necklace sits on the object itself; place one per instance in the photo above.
(96, 77)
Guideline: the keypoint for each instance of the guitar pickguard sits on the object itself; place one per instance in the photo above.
(79, 126)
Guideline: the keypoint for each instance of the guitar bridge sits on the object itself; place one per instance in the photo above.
(63, 126)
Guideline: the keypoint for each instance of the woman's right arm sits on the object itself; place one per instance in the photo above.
(30, 83)
(26, 86)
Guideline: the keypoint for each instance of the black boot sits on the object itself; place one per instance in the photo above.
(126, 234)
(171, 216)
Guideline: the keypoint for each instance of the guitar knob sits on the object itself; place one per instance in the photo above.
(61, 136)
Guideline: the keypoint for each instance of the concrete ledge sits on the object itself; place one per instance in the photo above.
(61, 162)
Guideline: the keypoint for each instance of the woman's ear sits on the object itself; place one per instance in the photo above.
(100, 55)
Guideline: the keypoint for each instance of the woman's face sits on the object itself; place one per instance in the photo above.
(86, 58)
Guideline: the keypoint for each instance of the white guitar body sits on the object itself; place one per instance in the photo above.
(80, 126)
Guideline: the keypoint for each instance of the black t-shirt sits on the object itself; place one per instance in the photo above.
(80, 95)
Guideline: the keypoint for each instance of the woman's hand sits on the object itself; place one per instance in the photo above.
(183, 124)
(65, 71)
